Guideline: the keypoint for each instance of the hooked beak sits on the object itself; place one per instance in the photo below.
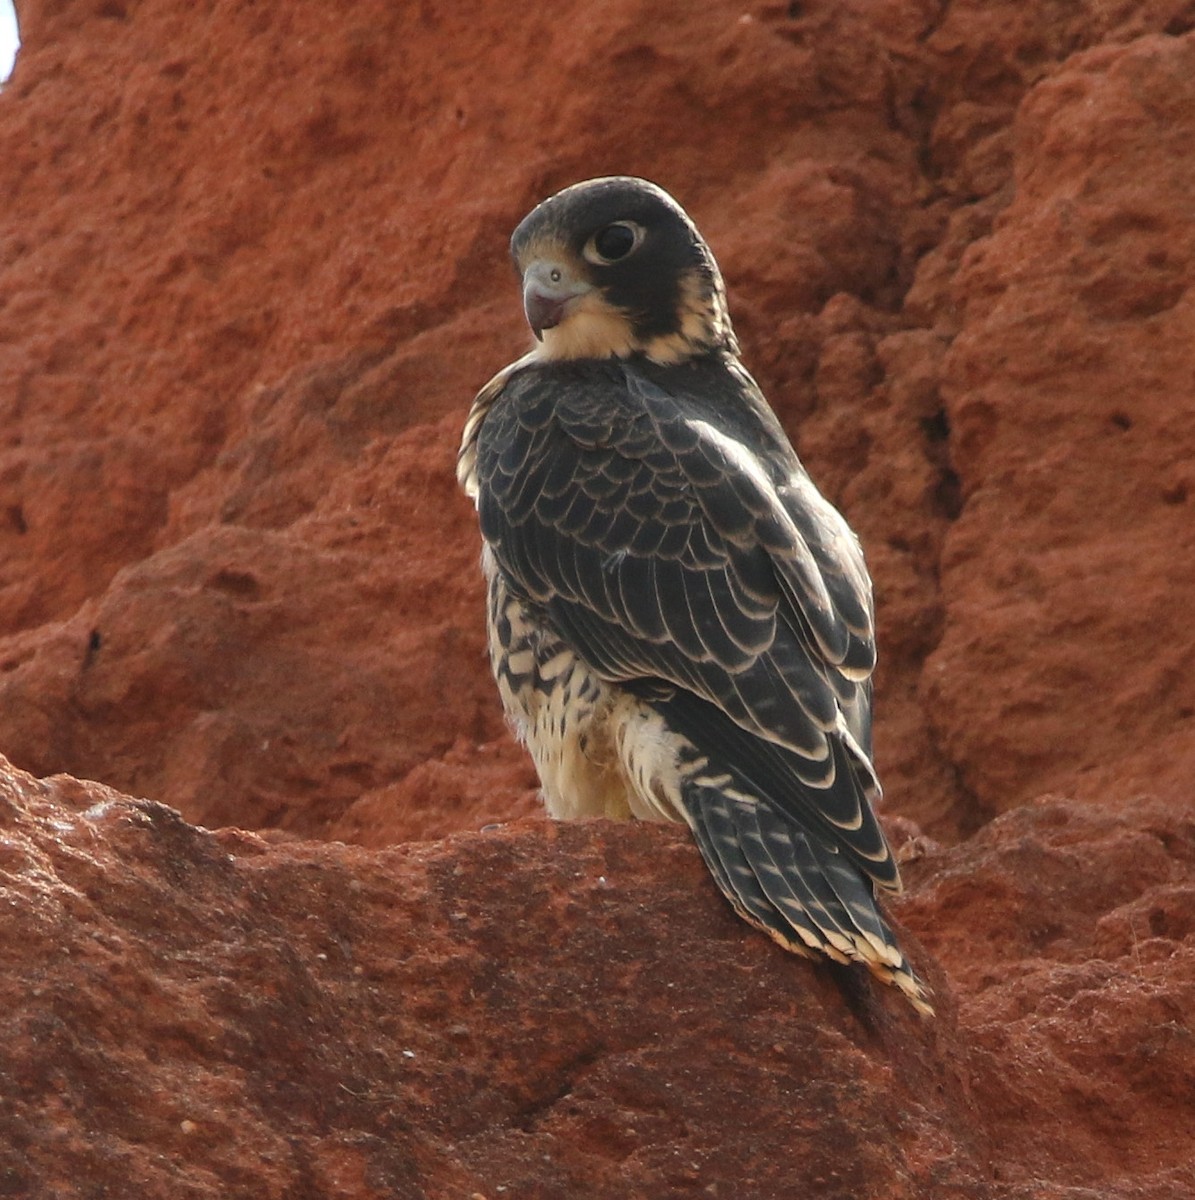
(548, 290)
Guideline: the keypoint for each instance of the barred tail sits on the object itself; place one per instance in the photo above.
(795, 885)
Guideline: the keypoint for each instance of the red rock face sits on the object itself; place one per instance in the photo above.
(252, 269)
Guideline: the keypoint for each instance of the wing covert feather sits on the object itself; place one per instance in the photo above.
(672, 543)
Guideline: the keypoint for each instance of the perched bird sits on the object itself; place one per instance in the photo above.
(680, 625)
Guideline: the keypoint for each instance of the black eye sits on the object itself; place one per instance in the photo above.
(614, 242)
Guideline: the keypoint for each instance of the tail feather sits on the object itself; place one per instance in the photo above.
(771, 851)
(794, 885)
(792, 858)
(716, 837)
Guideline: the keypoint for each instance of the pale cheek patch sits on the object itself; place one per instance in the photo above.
(594, 329)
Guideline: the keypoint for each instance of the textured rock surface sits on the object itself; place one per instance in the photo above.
(571, 1010)
(515, 1011)
(251, 271)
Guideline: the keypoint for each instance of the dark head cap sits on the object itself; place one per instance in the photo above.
(614, 266)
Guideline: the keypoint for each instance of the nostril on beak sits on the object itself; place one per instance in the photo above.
(548, 291)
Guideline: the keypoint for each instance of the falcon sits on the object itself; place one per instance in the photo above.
(681, 627)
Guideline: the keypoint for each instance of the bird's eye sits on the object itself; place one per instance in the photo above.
(613, 242)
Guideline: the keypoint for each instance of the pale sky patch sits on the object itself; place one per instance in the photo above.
(9, 39)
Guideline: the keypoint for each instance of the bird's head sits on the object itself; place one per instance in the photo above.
(614, 267)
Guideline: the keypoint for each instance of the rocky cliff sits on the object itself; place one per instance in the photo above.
(252, 268)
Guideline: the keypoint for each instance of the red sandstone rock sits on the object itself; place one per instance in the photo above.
(538, 1011)
(571, 1010)
(1068, 930)
(1069, 389)
(252, 268)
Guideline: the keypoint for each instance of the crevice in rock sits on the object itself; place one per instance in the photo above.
(557, 1088)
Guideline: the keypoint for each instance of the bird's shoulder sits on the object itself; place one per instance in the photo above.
(635, 405)
(682, 460)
